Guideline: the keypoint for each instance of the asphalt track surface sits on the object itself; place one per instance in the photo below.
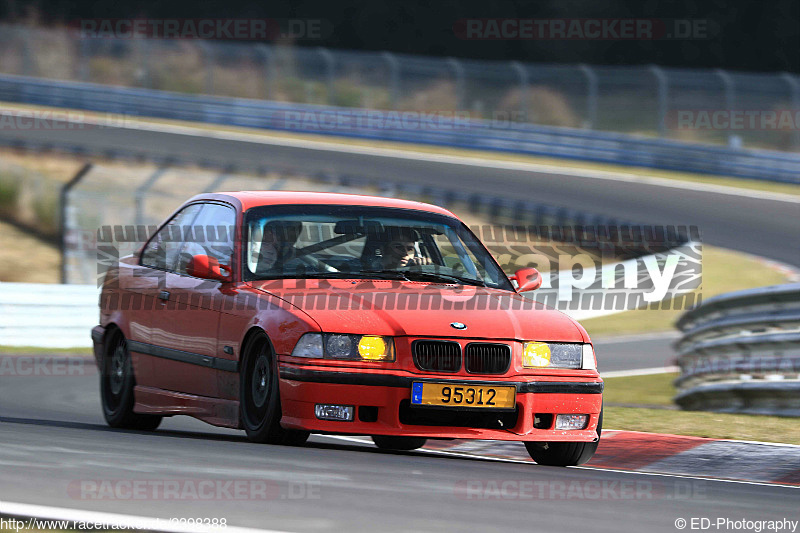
(57, 451)
(760, 226)
(53, 436)
(635, 352)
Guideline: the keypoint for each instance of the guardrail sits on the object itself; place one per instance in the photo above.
(740, 352)
(47, 315)
(414, 127)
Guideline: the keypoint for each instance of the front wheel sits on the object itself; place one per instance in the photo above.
(116, 387)
(564, 453)
(259, 397)
(398, 443)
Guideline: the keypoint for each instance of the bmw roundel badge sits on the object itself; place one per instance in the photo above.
(458, 325)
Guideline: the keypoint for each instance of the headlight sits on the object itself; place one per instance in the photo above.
(339, 346)
(375, 348)
(309, 345)
(554, 355)
(345, 347)
(536, 355)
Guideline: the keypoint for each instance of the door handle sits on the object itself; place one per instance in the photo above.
(163, 295)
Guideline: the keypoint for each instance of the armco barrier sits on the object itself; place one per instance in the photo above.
(740, 352)
(47, 315)
(476, 134)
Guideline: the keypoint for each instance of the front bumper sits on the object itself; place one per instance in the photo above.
(387, 396)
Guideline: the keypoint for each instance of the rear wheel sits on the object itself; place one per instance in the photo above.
(116, 387)
(398, 443)
(564, 453)
(259, 401)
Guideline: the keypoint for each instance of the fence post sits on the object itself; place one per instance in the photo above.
(141, 192)
(64, 225)
(208, 57)
(144, 51)
(663, 88)
(458, 69)
(83, 52)
(730, 96)
(394, 78)
(591, 95)
(218, 180)
(27, 58)
(794, 91)
(327, 57)
(524, 89)
(269, 69)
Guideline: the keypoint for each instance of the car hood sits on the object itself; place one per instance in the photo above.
(401, 308)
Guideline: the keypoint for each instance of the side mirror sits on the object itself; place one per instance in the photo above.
(203, 266)
(528, 279)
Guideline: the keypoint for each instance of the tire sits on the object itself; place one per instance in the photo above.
(564, 453)
(259, 397)
(116, 387)
(405, 444)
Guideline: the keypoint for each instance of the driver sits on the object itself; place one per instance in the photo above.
(401, 249)
(278, 244)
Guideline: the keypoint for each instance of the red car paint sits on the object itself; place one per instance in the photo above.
(216, 324)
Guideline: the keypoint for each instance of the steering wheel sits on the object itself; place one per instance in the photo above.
(309, 261)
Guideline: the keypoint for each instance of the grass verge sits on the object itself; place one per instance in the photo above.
(703, 424)
(653, 389)
(26, 258)
(36, 350)
(657, 390)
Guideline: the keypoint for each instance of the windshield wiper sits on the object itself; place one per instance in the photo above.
(400, 275)
(361, 274)
(432, 276)
(385, 274)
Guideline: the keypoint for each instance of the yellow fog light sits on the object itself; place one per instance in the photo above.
(536, 355)
(375, 348)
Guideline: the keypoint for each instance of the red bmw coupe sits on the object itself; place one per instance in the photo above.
(290, 313)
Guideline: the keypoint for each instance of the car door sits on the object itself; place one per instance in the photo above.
(144, 282)
(185, 327)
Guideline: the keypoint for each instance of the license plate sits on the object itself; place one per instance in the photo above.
(463, 395)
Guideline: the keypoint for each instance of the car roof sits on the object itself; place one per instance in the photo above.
(249, 199)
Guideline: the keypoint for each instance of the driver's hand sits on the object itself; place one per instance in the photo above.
(419, 260)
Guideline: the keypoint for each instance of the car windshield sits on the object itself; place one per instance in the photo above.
(345, 241)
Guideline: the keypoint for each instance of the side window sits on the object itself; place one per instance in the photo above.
(162, 250)
(212, 234)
